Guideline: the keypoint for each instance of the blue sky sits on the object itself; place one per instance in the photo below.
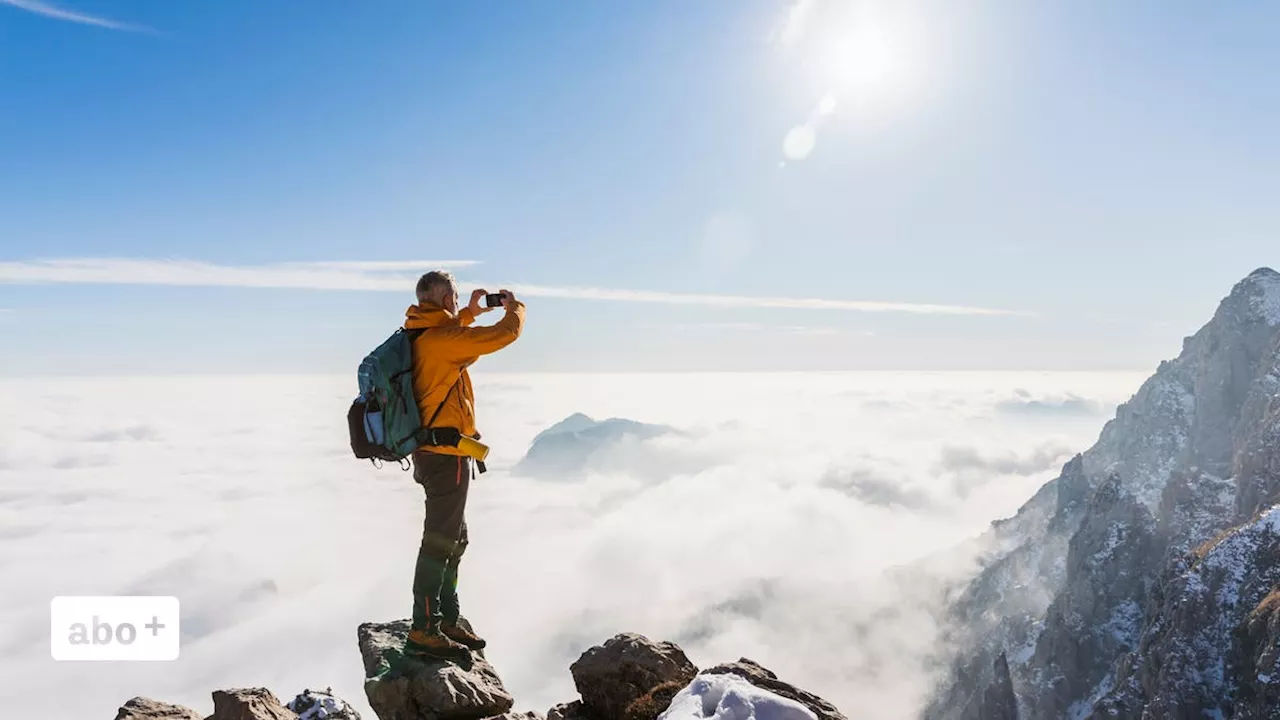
(1098, 174)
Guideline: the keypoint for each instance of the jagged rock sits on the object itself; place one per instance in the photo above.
(316, 705)
(406, 688)
(141, 708)
(610, 677)
(1098, 613)
(1184, 665)
(1258, 662)
(569, 711)
(998, 701)
(764, 679)
(249, 704)
(1257, 462)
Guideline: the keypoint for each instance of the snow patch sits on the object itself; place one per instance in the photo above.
(1125, 622)
(1081, 709)
(1267, 300)
(729, 697)
(313, 705)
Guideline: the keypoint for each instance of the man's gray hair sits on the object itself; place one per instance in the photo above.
(432, 283)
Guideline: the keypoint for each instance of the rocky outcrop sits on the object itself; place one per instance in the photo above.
(1189, 664)
(400, 687)
(997, 701)
(764, 679)
(1096, 616)
(249, 704)
(141, 708)
(628, 677)
(1257, 660)
(627, 667)
(1081, 588)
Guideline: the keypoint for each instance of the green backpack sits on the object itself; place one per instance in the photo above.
(384, 420)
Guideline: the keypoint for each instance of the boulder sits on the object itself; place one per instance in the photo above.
(141, 708)
(627, 667)
(764, 679)
(406, 688)
(249, 704)
(316, 705)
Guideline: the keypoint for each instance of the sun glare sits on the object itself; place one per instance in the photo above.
(863, 63)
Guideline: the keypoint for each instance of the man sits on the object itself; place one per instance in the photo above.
(442, 387)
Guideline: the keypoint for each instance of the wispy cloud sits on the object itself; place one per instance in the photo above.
(744, 301)
(386, 276)
(398, 276)
(57, 13)
(754, 327)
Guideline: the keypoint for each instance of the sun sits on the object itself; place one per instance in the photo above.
(862, 57)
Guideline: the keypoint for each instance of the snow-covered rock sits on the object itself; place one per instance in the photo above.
(1185, 666)
(729, 697)
(762, 677)
(316, 705)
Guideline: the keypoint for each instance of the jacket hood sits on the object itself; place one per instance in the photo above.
(427, 315)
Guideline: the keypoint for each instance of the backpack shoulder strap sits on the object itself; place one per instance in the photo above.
(440, 407)
(436, 414)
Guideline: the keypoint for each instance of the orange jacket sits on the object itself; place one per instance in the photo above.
(440, 359)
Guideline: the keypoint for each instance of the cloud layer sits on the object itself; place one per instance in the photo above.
(396, 276)
(768, 526)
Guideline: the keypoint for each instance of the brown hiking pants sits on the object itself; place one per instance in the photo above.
(445, 480)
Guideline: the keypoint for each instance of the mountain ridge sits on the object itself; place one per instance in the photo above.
(1073, 588)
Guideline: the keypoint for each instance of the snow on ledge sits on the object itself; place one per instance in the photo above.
(729, 697)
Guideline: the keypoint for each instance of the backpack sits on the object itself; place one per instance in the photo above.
(384, 419)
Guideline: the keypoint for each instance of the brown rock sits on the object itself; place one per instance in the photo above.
(249, 704)
(627, 667)
(141, 708)
(400, 687)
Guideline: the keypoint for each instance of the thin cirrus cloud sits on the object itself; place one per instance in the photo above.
(57, 13)
(396, 276)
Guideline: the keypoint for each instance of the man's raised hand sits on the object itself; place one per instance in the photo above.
(476, 306)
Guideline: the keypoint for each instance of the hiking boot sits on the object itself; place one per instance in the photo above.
(461, 635)
(426, 643)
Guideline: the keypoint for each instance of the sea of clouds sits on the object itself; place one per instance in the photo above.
(767, 526)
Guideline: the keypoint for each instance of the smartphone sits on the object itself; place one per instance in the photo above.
(493, 300)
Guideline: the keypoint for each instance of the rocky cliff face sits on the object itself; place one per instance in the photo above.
(1134, 584)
